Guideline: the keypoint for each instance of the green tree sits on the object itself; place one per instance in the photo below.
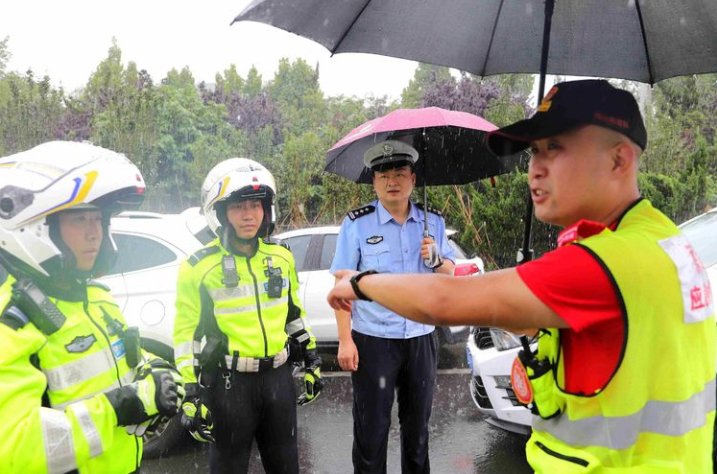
(295, 89)
(4, 55)
(253, 84)
(425, 76)
(30, 111)
(192, 137)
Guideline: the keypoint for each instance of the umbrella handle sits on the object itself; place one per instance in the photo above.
(434, 259)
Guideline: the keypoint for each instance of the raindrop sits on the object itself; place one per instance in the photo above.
(382, 382)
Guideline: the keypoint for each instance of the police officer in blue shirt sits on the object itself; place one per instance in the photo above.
(384, 351)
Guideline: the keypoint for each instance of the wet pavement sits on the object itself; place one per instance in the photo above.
(461, 442)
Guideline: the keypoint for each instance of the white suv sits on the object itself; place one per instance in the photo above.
(491, 351)
(143, 281)
(313, 250)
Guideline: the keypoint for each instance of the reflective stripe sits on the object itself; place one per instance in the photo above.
(66, 375)
(304, 337)
(295, 326)
(250, 364)
(126, 379)
(187, 363)
(57, 436)
(92, 435)
(187, 348)
(252, 307)
(223, 294)
(666, 418)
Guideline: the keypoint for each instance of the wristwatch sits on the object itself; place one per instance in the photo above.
(354, 284)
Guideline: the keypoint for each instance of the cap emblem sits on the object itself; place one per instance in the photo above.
(546, 103)
(387, 149)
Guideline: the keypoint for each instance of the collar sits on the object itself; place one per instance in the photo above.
(582, 230)
(384, 216)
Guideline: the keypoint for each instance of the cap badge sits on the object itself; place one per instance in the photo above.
(387, 150)
(546, 103)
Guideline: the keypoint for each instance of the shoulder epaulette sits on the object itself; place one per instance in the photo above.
(99, 284)
(429, 209)
(271, 241)
(201, 254)
(360, 212)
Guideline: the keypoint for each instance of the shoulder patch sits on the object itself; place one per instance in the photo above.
(201, 254)
(430, 209)
(271, 241)
(98, 284)
(360, 212)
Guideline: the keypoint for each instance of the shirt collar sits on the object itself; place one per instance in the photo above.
(384, 216)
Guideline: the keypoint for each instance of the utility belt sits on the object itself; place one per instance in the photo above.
(253, 364)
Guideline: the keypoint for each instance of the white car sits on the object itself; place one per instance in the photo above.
(313, 250)
(143, 281)
(491, 351)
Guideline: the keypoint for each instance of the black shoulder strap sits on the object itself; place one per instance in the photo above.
(360, 212)
(430, 209)
(201, 254)
(99, 284)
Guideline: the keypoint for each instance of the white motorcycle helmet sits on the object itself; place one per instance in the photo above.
(237, 179)
(38, 183)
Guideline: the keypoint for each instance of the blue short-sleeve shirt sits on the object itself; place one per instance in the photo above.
(374, 240)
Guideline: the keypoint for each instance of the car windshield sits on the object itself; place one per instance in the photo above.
(702, 233)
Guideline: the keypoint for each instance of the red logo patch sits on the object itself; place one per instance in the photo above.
(521, 383)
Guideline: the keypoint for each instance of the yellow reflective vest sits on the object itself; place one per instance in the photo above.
(73, 367)
(656, 414)
(255, 322)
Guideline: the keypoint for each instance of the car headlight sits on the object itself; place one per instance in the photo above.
(504, 340)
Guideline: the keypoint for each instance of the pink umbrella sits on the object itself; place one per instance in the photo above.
(451, 145)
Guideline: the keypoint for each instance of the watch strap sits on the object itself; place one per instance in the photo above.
(354, 284)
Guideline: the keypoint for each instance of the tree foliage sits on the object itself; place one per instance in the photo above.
(176, 130)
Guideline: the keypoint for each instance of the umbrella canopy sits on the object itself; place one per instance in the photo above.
(451, 146)
(641, 40)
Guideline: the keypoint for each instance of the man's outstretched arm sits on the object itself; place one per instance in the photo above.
(499, 299)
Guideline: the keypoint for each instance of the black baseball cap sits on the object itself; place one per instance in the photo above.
(569, 105)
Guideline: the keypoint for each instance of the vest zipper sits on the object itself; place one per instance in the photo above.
(563, 457)
(258, 306)
(85, 305)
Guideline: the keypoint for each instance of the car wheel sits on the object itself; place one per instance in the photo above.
(163, 440)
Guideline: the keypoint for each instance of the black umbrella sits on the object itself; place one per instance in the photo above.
(641, 40)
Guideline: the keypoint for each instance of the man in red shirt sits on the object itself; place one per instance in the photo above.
(611, 335)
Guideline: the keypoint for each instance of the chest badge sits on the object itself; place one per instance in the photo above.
(373, 240)
(80, 344)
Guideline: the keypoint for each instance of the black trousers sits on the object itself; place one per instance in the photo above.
(408, 367)
(258, 405)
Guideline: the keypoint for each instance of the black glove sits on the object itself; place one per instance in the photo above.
(196, 417)
(157, 390)
(312, 378)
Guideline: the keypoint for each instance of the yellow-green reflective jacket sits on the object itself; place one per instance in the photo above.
(255, 324)
(656, 414)
(77, 364)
